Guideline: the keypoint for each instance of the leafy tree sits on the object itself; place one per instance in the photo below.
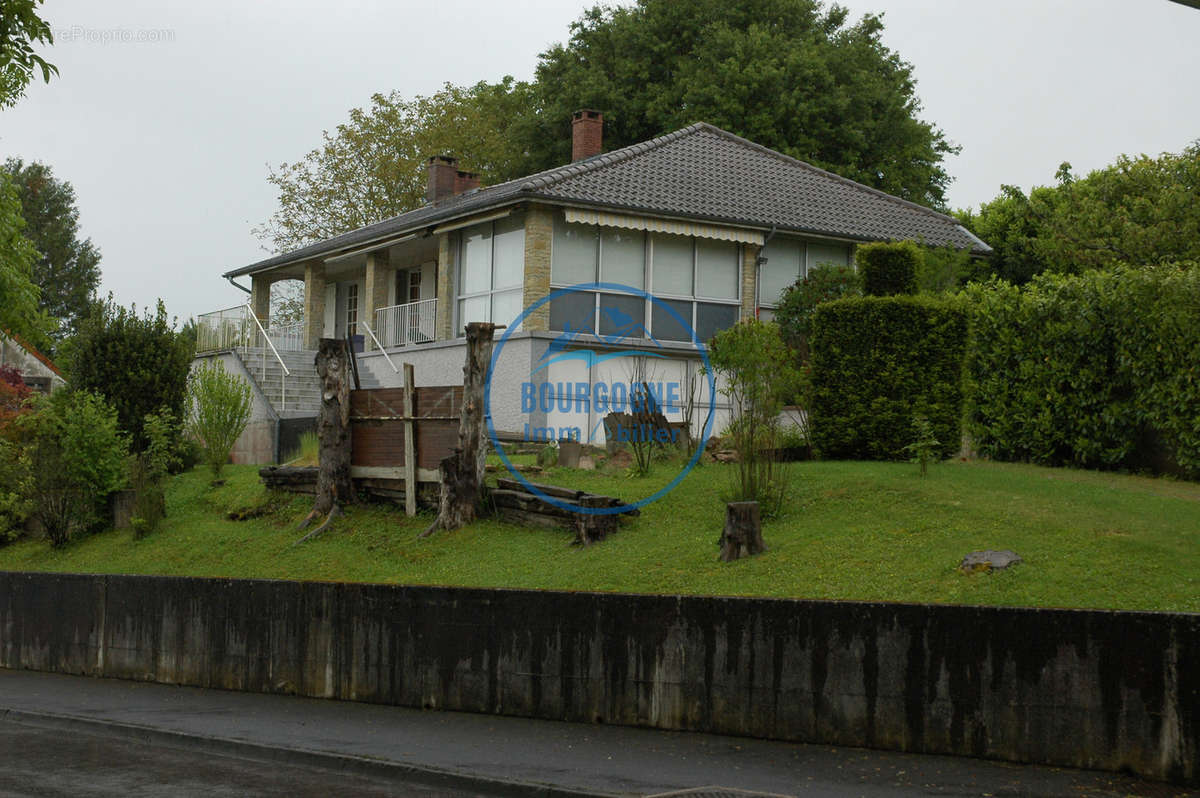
(1139, 211)
(373, 166)
(75, 458)
(790, 74)
(219, 410)
(20, 29)
(67, 271)
(139, 363)
(19, 295)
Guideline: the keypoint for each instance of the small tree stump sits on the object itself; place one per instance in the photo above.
(591, 527)
(743, 531)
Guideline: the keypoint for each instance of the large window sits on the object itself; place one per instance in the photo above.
(491, 271)
(697, 278)
(788, 260)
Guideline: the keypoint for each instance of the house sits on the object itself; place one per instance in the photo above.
(38, 371)
(711, 226)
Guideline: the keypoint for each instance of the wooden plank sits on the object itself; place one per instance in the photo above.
(410, 448)
(392, 472)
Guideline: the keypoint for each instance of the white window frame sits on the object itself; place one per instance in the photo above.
(771, 307)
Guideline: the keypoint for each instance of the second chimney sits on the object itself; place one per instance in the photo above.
(465, 181)
(442, 177)
(587, 134)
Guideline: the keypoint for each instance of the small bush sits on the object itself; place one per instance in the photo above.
(759, 374)
(220, 409)
(875, 362)
(925, 449)
(888, 269)
(75, 456)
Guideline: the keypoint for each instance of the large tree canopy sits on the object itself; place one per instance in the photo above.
(373, 166)
(1139, 211)
(789, 74)
(67, 269)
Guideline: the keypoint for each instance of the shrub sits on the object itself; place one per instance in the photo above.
(149, 468)
(138, 363)
(759, 374)
(877, 361)
(1097, 370)
(75, 458)
(795, 311)
(888, 269)
(220, 408)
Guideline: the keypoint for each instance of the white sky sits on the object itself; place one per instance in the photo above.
(167, 142)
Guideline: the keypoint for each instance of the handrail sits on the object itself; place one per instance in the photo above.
(267, 338)
(367, 327)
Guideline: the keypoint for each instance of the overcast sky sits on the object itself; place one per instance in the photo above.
(166, 115)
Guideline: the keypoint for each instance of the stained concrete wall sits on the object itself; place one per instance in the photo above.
(1108, 690)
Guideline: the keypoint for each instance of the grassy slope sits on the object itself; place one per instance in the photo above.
(852, 531)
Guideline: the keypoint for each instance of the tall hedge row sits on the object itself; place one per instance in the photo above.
(1099, 370)
(877, 361)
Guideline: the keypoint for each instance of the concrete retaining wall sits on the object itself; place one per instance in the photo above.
(1108, 690)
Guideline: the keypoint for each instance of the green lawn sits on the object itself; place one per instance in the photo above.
(873, 531)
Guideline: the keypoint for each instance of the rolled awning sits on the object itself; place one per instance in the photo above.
(672, 226)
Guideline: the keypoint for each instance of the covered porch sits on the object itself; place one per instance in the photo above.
(377, 298)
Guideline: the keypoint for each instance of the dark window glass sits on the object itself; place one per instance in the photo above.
(666, 327)
(623, 315)
(574, 310)
(711, 319)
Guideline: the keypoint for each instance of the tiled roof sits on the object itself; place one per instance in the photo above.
(699, 172)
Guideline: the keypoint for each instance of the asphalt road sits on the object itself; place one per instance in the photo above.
(51, 763)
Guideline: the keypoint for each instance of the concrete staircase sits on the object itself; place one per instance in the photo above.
(299, 394)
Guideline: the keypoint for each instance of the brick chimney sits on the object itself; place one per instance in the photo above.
(587, 134)
(465, 181)
(442, 175)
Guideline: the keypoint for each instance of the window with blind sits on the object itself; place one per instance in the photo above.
(491, 272)
(697, 278)
(788, 260)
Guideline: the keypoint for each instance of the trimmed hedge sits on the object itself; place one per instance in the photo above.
(1098, 370)
(877, 361)
(888, 268)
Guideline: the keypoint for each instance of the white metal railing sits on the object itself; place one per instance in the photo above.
(286, 371)
(411, 323)
(221, 329)
(379, 346)
(238, 327)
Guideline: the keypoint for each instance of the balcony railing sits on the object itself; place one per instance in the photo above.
(401, 325)
(234, 327)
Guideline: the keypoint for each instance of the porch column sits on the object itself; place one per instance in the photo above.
(749, 279)
(260, 296)
(445, 288)
(379, 271)
(539, 230)
(314, 304)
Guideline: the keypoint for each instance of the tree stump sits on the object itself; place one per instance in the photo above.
(334, 486)
(743, 531)
(461, 491)
(590, 527)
